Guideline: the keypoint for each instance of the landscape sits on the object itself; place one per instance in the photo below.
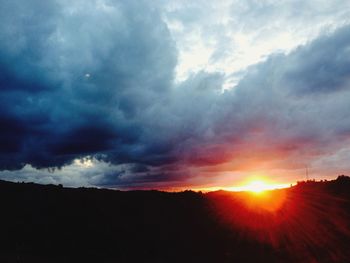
(174, 131)
(309, 222)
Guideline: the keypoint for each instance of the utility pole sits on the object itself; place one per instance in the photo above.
(307, 173)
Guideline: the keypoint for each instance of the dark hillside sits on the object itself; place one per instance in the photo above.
(55, 224)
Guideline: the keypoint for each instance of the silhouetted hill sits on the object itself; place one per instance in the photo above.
(309, 222)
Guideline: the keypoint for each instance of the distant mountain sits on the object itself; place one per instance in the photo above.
(309, 222)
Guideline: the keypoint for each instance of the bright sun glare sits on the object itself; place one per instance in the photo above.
(257, 186)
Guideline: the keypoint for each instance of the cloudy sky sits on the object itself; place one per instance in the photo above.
(173, 94)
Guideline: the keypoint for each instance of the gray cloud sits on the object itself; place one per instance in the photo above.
(96, 78)
(76, 78)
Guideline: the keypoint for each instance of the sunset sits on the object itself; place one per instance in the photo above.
(175, 131)
(258, 186)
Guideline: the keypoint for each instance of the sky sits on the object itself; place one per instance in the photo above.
(173, 94)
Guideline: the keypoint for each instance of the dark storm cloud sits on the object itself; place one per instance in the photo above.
(95, 78)
(75, 78)
(322, 66)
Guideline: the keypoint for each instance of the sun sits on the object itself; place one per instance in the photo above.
(256, 194)
(257, 186)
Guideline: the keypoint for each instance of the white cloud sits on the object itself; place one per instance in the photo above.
(229, 36)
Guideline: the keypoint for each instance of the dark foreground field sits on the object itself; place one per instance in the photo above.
(309, 222)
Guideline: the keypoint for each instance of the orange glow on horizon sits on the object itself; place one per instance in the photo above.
(285, 217)
(256, 185)
(261, 199)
